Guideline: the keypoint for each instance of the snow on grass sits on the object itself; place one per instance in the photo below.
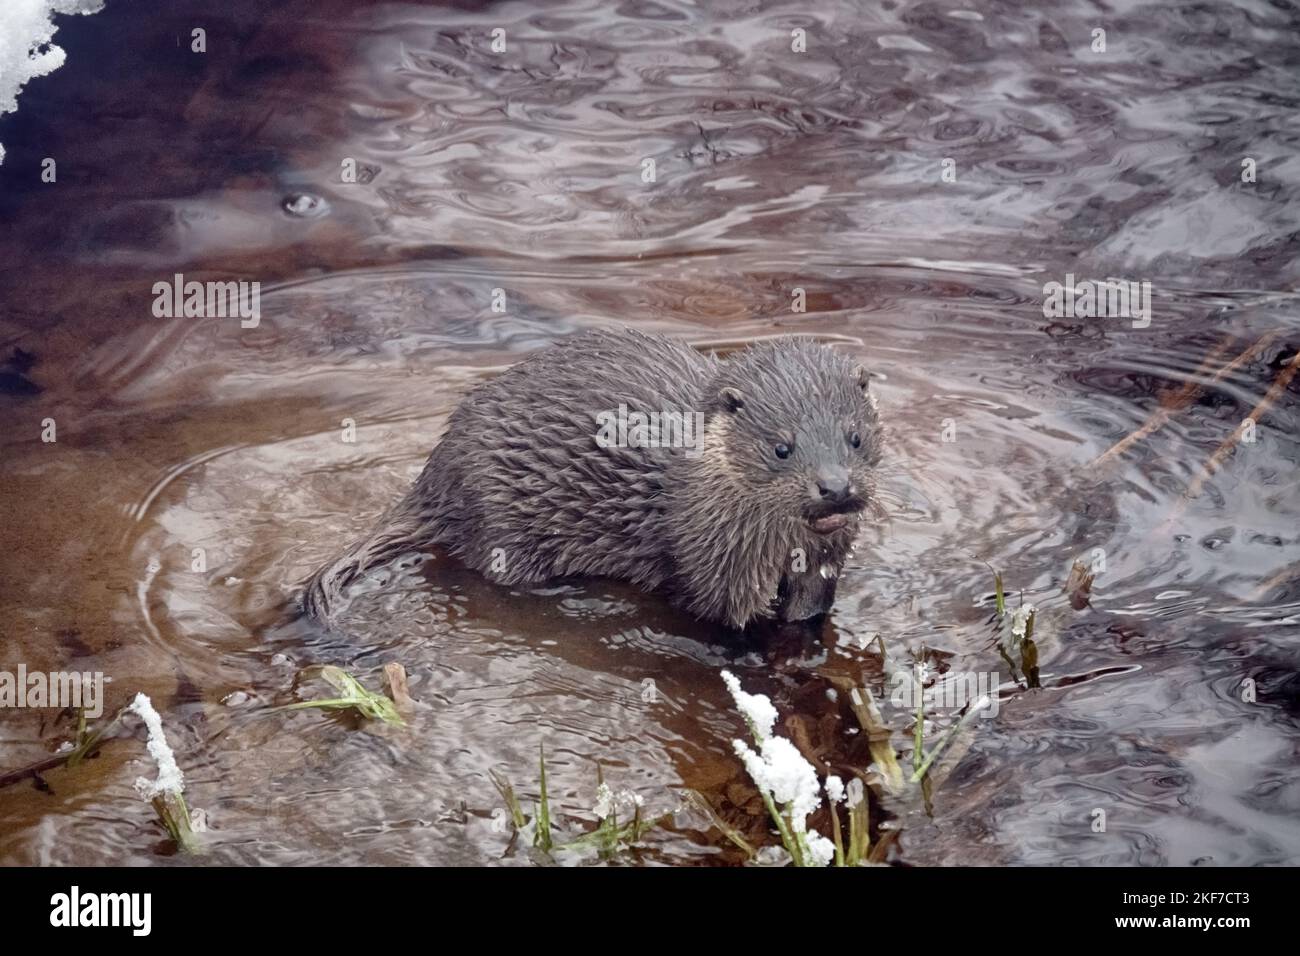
(755, 708)
(783, 772)
(1020, 620)
(835, 789)
(787, 781)
(26, 50)
(170, 779)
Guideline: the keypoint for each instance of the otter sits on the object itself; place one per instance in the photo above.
(751, 518)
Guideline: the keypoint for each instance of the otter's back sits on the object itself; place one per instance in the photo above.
(519, 487)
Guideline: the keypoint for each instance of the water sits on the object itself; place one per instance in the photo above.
(522, 172)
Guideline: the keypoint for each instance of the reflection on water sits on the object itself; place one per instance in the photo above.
(526, 171)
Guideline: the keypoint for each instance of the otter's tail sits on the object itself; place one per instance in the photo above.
(323, 593)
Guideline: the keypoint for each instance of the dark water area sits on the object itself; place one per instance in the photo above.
(518, 177)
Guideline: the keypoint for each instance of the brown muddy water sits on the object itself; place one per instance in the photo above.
(522, 171)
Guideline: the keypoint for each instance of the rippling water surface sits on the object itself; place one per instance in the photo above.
(523, 171)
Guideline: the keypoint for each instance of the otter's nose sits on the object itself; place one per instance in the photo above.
(833, 486)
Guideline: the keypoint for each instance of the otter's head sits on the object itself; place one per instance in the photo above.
(769, 512)
(797, 420)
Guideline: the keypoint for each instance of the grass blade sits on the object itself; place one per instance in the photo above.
(542, 839)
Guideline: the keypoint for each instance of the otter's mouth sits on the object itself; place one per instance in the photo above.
(828, 521)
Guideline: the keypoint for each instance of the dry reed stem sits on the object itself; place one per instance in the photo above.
(1225, 449)
(1178, 399)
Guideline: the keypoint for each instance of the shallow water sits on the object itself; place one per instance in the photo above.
(522, 172)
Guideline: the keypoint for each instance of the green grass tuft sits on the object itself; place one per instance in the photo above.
(353, 696)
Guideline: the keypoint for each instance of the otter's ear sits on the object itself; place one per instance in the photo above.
(731, 399)
(861, 377)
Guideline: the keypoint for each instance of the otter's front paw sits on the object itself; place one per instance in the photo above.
(804, 596)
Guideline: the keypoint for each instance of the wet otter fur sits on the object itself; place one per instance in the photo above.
(754, 522)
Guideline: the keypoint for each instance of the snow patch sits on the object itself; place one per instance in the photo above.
(26, 29)
(755, 708)
(170, 779)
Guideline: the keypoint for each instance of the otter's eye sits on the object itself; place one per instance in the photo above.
(855, 440)
(782, 451)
